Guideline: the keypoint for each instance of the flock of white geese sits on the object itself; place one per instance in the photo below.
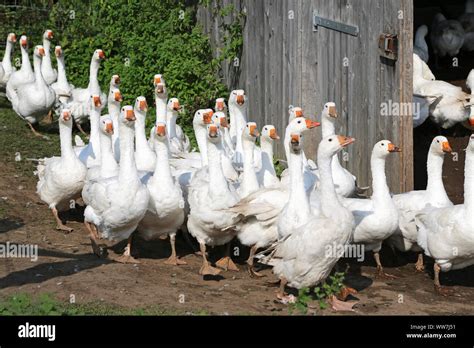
(155, 186)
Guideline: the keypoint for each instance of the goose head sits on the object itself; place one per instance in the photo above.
(39, 51)
(127, 116)
(65, 117)
(158, 79)
(329, 111)
(160, 91)
(173, 105)
(160, 132)
(106, 125)
(294, 112)
(250, 132)
(115, 81)
(220, 119)
(383, 148)
(332, 144)
(48, 35)
(98, 55)
(58, 52)
(24, 41)
(11, 38)
(115, 96)
(220, 105)
(440, 145)
(141, 106)
(422, 31)
(203, 117)
(96, 104)
(238, 98)
(269, 133)
(213, 133)
(301, 125)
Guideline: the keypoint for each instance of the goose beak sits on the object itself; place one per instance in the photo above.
(299, 113)
(97, 102)
(220, 106)
(295, 139)
(223, 122)
(240, 99)
(393, 148)
(50, 35)
(332, 111)
(142, 105)
(13, 38)
(101, 54)
(471, 122)
(24, 43)
(66, 115)
(161, 130)
(118, 97)
(344, 141)
(157, 80)
(253, 131)
(57, 51)
(273, 134)
(312, 124)
(207, 117)
(176, 106)
(130, 115)
(41, 51)
(160, 88)
(117, 80)
(213, 131)
(446, 147)
(109, 128)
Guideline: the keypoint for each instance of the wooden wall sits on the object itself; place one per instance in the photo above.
(285, 62)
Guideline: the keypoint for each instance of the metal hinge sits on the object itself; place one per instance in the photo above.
(388, 46)
(330, 24)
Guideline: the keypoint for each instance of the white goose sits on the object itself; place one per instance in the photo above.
(33, 100)
(62, 87)
(25, 74)
(410, 203)
(447, 234)
(238, 119)
(145, 157)
(267, 175)
(114, 99)
(116, 205)
(161, 97)
(7, 67)
(49, 74)
(302, 260)
(61, 178)
(90, 153)
(178, 141)
(420, 46)
(221, 108)
(79, 102)
(165, 214)
(209, 196)
(230, 173)
(376, 218)
(248, 179)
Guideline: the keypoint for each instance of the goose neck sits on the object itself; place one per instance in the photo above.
(38, 76)
(266, 147)
(95, 132)
(128, 169)
(93, 72)
(65, 136)
(25, 60)
(62, 70)
(217, 181)
(434, 167)
(298, 201)
(108, 165)
(162, 175)
(171, 123)
(7, 55)
(140, 136)
(161, 106)
(331, 205)
(200, 133)
(379, 181)
(327, 126)
(469, 183)
(249, 181)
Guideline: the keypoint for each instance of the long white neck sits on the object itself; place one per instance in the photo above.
(420, 40)
(47, 54)
(65, 136)
(266, 147)
(39, 81)
(298, 203)
(140, 135)
(162, 176)
(434, 168)
(381, 193)
(171, 117)
(327, 126)
(95, 131)
(93, 72)
(469, 184)
(200, 133)
(161, 106)
(217, 181)
(114, 112)
(7, 56)
(331, 205)
(239, 115)
(128, 169)
(108, 165)
(25, 61)
(62, 79)
(249, 181)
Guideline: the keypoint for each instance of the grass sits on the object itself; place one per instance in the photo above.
(45, 304)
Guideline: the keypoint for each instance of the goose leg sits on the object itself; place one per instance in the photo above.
(35, 132)
(206, 268)
(59, 224)
(173, 259)
(250, 260)
(380, 271)
(99, 249)
(49, 117)
(82, 130)
(419, 266)
(437, 285)
(226, 262)
(127, 254)
(282, 295)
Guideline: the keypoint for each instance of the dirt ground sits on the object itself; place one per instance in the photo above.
(66, 266)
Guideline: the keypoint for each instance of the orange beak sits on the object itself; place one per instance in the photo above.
(273, 134)
(344, 141)
(66, 115)
(295, 139)
(50, 35)
(109, 128)
(118, 96)
(253, 131)
(117, 80)
(41, 51)
(57, 51)
(332, 111)
(130, 115)
(240, 99)
(13, 38)
(393, 148)
(471, 122)
(213, 131)
(207, 117)
(97, 102)
(143, 106)
(157, 80)
(447, 147)
(161, 130)
(176, 106)
(299, 113)
(101, 54)
(219, 105)
(312, 124)
(24, 43)
(160, 88)
(223, 122)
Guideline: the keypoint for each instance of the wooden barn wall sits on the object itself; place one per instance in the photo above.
(285, 63)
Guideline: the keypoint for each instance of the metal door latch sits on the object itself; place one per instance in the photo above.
(388, 46)
(330, 24)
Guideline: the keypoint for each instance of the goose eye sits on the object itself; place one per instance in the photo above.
(382, 144)
(437, 141)
(299, 121)
(330, 139)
